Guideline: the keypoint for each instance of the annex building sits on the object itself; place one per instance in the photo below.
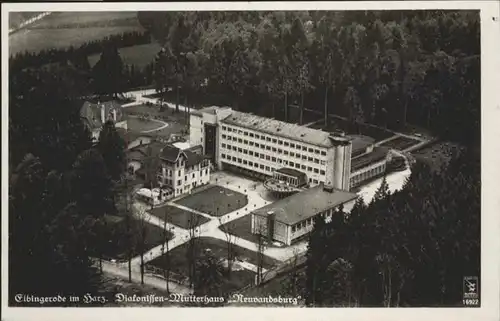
(94, 115)
(291, 218)
(259, 146)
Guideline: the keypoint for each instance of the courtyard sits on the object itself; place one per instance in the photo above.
(119, 244)
(215, 201)
(179, 217)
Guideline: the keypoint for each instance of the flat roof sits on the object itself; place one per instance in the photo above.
(305, 204)
(376, 155)
(283, 129)
(360, 142)
(290, 172)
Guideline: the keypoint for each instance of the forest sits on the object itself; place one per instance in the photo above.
(393, 69)
(390, 68)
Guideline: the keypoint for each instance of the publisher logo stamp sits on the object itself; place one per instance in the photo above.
(471, 291)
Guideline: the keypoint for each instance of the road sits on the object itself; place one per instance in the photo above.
(139, 97)
(155, 282)
(29, 22)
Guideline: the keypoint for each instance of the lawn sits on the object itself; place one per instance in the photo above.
(139, 56)
(141, 125)
(168, 114)
(179, 217)
(118, 245)
(400, 143)
(215, 201)
(239, 277)
(152, 110)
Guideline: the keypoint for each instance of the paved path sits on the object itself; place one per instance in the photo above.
(155, 282)
(30, 21)
(140, 99)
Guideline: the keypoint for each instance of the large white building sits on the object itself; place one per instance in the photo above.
(259, 146)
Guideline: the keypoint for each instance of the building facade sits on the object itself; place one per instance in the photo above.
(182, 170)
(259, 146)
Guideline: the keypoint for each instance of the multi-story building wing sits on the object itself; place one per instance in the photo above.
(259, 146)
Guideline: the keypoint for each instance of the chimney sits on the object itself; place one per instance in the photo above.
(103, 114)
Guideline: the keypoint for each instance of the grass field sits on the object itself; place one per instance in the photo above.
(118, 245)
(64, 29)
(87, 19)
(179, 217)
(139, 125)
(139, 56)
(176, 122)
(34, 40)
(241, 227)
(215, 201)
(239, 278)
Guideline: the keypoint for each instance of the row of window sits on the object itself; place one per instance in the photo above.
(179, 173)
(368, 174)
(249, 163)
(269, 168)
(310, 221)
(179, 182)
(278, 160)
(302, 225)
(184, 189)
(274, 150)
(270, 139)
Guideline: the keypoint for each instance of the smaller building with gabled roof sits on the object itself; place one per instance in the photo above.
(94, 115)
(182, 170)
(178, 170)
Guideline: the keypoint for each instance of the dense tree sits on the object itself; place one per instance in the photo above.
(107, 74)
(410, 248)
(316, 273)
(47, 232)
(209, 277)
(112, 148)
(382, 67)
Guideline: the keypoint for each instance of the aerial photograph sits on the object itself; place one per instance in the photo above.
(244, 158)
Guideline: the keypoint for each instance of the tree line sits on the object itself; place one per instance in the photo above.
(391, 68)
(48, 56)
(61, 187)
